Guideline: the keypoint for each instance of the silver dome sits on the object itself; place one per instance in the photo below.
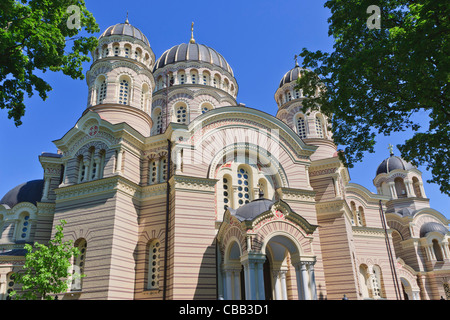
(192, 52)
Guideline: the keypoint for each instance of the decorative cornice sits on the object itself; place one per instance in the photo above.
(193, 184)
(298, 194)
(369, 232)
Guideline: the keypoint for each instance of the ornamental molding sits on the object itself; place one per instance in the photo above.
(193, 184)
(45, 208)
(298, 194)
(369, 232)
(101, 135)
(97, 187)
(218, 122)
(337, 207)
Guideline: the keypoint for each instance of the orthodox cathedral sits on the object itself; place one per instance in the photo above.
(173, 190)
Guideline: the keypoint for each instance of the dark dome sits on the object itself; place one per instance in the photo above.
(393, 163)
(127, 30)
(30, 191)
(290, 76)
(431, 227)
(192, 52)
(253, 209)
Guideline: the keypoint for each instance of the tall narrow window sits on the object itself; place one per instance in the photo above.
(78, 265)
(227, 192)
(137, 54)
(163, 170)
(153, 173)
(116, 50)
(182, 78)
(437, 250)
(158, 121)
(244, 191)
(124, 90)
(360, 216)
(297, 93)
(301, 127)
(11, 281)
(153, 265)
(319, 127)
(194, 77)
(181, 114)
(127, 52)
(288, 96)
(81, 169)
(376, 282)
(25, 227)
(101, 91)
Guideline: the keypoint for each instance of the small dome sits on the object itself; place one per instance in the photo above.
(253, 209)
(291, 75)
(30, 191)
(393, 163)
(432, 227)
(125, 29)
(192, 52)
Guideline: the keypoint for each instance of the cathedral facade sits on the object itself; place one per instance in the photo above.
(173, 190)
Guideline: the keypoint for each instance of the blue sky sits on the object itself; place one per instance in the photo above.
(258, 39)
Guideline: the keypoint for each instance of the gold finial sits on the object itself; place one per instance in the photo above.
(126, 21)
(296, 62)
(192, 33)
(391, 149)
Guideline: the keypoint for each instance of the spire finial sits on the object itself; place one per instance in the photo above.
(192, 33)
(296, 62)
(391, 149)
(126, 21)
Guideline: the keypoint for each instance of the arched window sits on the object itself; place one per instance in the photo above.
(301, 126)
(225, 85)
(360, 216)
(262, 184)
(216, 81)
(227, 192)
(181, 113)
(194, 76)
(437, 250)
(376, 282)
(153, 265)
(101, 89)
(127, 51)
(288, 96)
(79, 264)
(105, 51)
(137, 54)
(354, 215)
(244, 185)
(416, 187)
(116, 49)
(297, 93)
(206, 107)
(400, 187)
(153, 172)
(206, 78)
(124, 91)
(181, 77)
(319, 127)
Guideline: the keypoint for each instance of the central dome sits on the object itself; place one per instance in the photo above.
(192, 52)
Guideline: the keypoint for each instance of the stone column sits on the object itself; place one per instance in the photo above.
(228, 287)
(254, 278)
(119, 161)
(304, 276)
(283, 284)
(237, 284)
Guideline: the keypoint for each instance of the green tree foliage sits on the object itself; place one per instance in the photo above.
(33, 39)
(47, 268)
(379, 80)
